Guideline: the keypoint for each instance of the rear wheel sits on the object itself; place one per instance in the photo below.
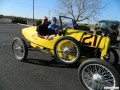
(67, 50)
(19, 49)
(113, 56)
(95, 74)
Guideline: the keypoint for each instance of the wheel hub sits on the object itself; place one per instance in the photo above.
(19, 48)
(97, 77)
(66, 50)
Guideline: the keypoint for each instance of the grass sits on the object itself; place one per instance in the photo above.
(5, 20)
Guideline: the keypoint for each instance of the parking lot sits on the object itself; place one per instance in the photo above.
(39, 72)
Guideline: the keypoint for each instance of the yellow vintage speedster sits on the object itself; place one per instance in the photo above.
(68, 47)
(71, 46)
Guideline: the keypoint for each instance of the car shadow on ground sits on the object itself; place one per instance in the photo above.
(54, 63)
(51, 63)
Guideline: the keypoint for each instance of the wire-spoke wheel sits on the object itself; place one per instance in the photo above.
(19, 49)
(67, 50)
(95, 74)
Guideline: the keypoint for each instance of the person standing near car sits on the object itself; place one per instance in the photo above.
(75, 25)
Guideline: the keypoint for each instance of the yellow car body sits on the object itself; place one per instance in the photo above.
(84, 39)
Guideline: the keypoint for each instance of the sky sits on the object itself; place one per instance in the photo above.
(23, 8)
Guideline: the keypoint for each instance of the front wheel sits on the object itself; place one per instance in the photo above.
(19, 49)
(67, 50)
(96, 74)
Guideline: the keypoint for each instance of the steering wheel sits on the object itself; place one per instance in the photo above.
(62, 32)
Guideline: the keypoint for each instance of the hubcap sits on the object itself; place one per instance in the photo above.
(97, 77)
(66, 50)
(19, 48)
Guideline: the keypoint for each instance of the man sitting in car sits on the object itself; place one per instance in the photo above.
(42, 30)
(53, 27)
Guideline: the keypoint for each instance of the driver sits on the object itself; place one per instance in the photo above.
(42, 30)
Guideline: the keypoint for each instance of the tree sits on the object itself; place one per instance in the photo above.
(79, 10)
(1, 16)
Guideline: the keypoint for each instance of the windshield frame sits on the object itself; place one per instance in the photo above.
(61, 22)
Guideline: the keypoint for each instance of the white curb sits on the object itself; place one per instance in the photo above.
(23, 24)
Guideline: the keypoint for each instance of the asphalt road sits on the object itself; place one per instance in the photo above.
(39, 72)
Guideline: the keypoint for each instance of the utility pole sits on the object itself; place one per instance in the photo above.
(49, 14)
(33, 12)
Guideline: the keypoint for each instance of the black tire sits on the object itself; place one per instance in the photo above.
(68, 50)
(112, 51)
(19, 48)
(94, 73)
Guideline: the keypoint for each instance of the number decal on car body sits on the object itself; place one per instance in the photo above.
(90, 40)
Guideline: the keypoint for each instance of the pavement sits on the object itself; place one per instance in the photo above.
(39, 72)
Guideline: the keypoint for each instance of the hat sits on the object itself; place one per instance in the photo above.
(43, 18)
(54, 19)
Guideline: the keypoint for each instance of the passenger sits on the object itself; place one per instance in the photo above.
(53, 27)
(42, 30)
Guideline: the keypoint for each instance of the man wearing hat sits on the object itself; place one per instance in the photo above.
(42, 29)
(53, 28)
